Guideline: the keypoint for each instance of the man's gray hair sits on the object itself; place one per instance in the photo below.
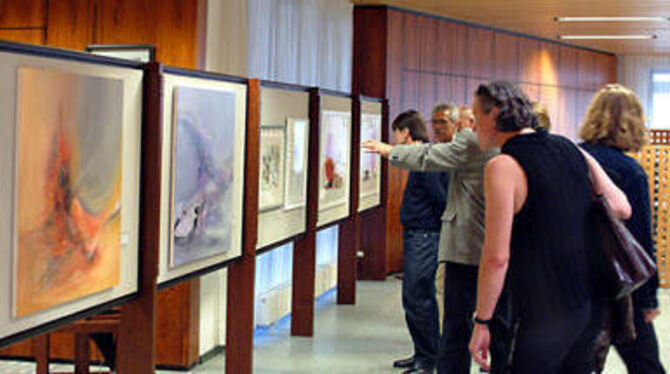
(451, 108)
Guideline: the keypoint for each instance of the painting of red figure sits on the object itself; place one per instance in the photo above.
(68, 189)
(334, 157)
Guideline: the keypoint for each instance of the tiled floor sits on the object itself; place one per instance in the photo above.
(364, 338)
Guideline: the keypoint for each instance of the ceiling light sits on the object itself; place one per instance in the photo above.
(611, 19)
(606, 37)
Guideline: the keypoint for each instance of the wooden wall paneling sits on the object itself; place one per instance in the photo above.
(409, 91)
(529, 60)
(459, 91)
(442, 88)
(459, 48)
(394, 57)
(410, 44)
(549, 64)
(169, 24)
(567, 68)
(370, 53)
(126, 22)
(304, 250)
(506, 55)
(22, 14)
(427, 43)
(241, 274)
(30, 36)
(586, 69)
(479, 55)
(349, 230)
(177, 32)
(427, 95)
(550, 97)
(605, 69)
(71, 23)
(137, 331)
(443, 48)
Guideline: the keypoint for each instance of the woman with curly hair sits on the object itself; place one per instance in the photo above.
(538, 198)
(614, 124)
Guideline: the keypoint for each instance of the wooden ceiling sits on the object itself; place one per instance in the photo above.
(536, 17)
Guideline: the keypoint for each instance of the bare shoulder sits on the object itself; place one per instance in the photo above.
(502, 164)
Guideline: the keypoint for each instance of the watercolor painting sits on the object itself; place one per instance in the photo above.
(203, 173)
(68, 188)
(296, 163)
(271, 174)
(371, 126)
(335, 153)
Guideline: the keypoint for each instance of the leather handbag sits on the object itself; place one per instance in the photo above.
(619, 261)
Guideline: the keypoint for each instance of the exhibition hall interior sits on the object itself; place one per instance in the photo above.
(334, 186)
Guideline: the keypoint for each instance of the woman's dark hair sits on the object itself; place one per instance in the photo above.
(515, 112)
(411, 120)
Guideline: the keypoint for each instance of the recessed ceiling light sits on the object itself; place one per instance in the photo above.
(606, 37)
(611, 19)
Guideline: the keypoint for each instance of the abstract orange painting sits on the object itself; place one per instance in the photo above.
(68, 188)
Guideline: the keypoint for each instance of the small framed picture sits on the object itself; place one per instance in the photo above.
(135, 52)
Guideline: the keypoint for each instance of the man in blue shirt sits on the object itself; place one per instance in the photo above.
(423, 202)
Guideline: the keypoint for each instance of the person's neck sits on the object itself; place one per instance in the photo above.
(505, 136)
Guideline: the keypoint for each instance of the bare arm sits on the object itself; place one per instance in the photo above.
(505, 189)
(603, 185)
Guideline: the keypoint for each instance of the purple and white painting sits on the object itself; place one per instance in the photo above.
(203, 174)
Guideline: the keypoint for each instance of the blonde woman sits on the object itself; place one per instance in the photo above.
(614, 124)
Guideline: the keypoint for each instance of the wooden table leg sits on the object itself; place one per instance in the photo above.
(81, 354)
(41, 353)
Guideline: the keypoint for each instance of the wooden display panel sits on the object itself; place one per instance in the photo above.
(285, 107)
(223, 174)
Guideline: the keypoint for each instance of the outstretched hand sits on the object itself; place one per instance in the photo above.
(373, 146)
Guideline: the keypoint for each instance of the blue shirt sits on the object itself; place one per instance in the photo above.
(424, 200)
(629, 176)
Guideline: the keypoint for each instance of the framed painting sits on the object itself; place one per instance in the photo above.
(334, 158)
(297, 142)
(271, 173)
(68, 187)
(202, 173)
(370, 182)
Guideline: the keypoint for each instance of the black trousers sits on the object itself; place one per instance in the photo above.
(460, 300)
(557, 346)
(418, 293)
(641, 355)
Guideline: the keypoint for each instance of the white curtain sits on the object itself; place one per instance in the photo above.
(308, 42)
(635, 72)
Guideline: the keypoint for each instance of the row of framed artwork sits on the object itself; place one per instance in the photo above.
(75, 175)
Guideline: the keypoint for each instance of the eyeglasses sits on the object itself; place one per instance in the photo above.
(440, 121)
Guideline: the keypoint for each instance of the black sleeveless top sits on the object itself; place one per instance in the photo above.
(548, 270)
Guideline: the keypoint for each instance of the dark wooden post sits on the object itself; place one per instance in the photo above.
(137, 332)
(304, 250)
(241, 275)
(349, 232)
